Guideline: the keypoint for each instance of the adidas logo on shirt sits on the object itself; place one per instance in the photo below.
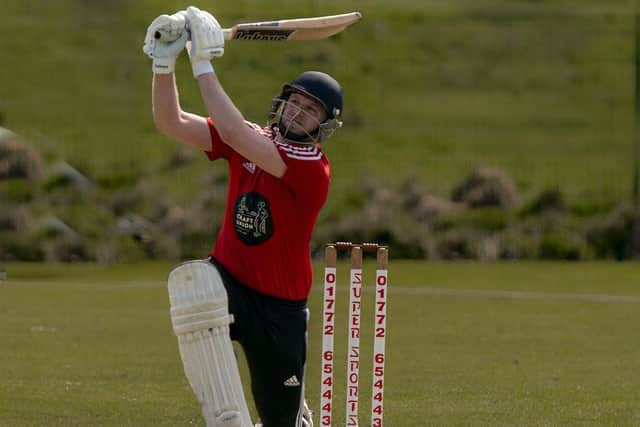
(251, 167)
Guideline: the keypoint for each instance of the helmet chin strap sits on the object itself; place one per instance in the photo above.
(295, 138)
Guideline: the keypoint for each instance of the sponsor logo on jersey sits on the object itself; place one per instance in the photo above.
(253, 222)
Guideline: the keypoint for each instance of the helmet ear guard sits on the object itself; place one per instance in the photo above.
(327, 128)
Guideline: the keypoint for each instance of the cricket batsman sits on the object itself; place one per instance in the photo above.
(253, 288)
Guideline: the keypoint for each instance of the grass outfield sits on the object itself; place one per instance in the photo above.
(468, 345)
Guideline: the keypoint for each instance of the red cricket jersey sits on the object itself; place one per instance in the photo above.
(265, 238)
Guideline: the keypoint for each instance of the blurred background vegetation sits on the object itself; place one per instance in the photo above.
(480, 129)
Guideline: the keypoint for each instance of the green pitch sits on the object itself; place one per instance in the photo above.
(468, 345)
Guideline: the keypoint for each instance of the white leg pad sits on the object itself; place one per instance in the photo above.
(200, 318)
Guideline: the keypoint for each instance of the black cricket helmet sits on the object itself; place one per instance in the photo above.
(322, 88)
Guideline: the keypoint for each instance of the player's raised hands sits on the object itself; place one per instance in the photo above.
(207, 40)
(164, 53)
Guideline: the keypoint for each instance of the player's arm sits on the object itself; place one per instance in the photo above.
(167, 113)
(234, 132)
(171, 120)
(207, 41)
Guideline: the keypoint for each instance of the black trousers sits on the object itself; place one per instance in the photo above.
(273, 335)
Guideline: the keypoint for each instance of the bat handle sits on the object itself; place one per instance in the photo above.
(226, 32)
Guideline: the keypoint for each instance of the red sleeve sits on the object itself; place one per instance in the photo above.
(219, 150)
(308, 173)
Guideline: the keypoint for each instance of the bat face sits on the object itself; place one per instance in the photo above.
(287, 29)
(293, 29)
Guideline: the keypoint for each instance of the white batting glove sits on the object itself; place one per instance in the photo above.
(164, 54)
(207, 40)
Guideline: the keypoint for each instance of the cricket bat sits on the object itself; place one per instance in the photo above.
(316, 28)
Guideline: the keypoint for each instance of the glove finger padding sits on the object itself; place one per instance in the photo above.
(207, 39)
(173, 28)
(149, 38)
(170, 27)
